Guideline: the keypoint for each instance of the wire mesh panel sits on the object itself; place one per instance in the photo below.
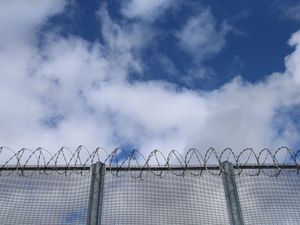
(169, 199)
(269, 200)
(43, 199)
(159, 190)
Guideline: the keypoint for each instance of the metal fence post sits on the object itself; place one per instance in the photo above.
(232, 198)
(96, 193)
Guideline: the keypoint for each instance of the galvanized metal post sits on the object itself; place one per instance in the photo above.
(232, 198)
(96, 193)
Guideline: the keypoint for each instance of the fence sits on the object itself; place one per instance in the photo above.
(211, 188)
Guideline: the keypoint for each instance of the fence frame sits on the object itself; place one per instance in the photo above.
(98, 170)
(231, 194)
(96, 194)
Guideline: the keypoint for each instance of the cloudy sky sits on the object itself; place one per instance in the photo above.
(147, 74)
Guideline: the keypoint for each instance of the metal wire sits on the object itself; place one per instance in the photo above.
(270, 200)
(172, 200)
(40, 188)
(43, 199)
(193, 161)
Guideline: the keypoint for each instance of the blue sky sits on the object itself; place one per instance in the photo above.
(147, 74)
(258, 30)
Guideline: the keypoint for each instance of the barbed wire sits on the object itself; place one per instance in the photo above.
(194, 162)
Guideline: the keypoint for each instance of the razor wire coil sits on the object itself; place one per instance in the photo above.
(193, 161)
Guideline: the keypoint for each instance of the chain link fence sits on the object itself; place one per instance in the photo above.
(38, 188)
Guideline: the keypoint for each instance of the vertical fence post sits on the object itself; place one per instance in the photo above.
(96, 194)
(232, 198)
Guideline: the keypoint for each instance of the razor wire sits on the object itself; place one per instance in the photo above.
(66, 161)
(42, 188)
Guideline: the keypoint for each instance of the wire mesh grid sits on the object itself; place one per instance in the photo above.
(270, 200)
(43, 199)
(173, 189)
(163, 200)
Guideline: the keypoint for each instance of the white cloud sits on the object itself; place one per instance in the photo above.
(292, 61)
(20, 19)
(145, 9)
(288, 9)
(72, 92)
(202, 37)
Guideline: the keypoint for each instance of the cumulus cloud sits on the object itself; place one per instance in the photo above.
(20, 19)
(292, 61)
(70, 92)
(202, 36)
(145, 9)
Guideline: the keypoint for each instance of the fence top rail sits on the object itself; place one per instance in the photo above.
(156, 162)
(151, 168)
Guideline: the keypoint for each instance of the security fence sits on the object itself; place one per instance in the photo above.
(199, 187)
